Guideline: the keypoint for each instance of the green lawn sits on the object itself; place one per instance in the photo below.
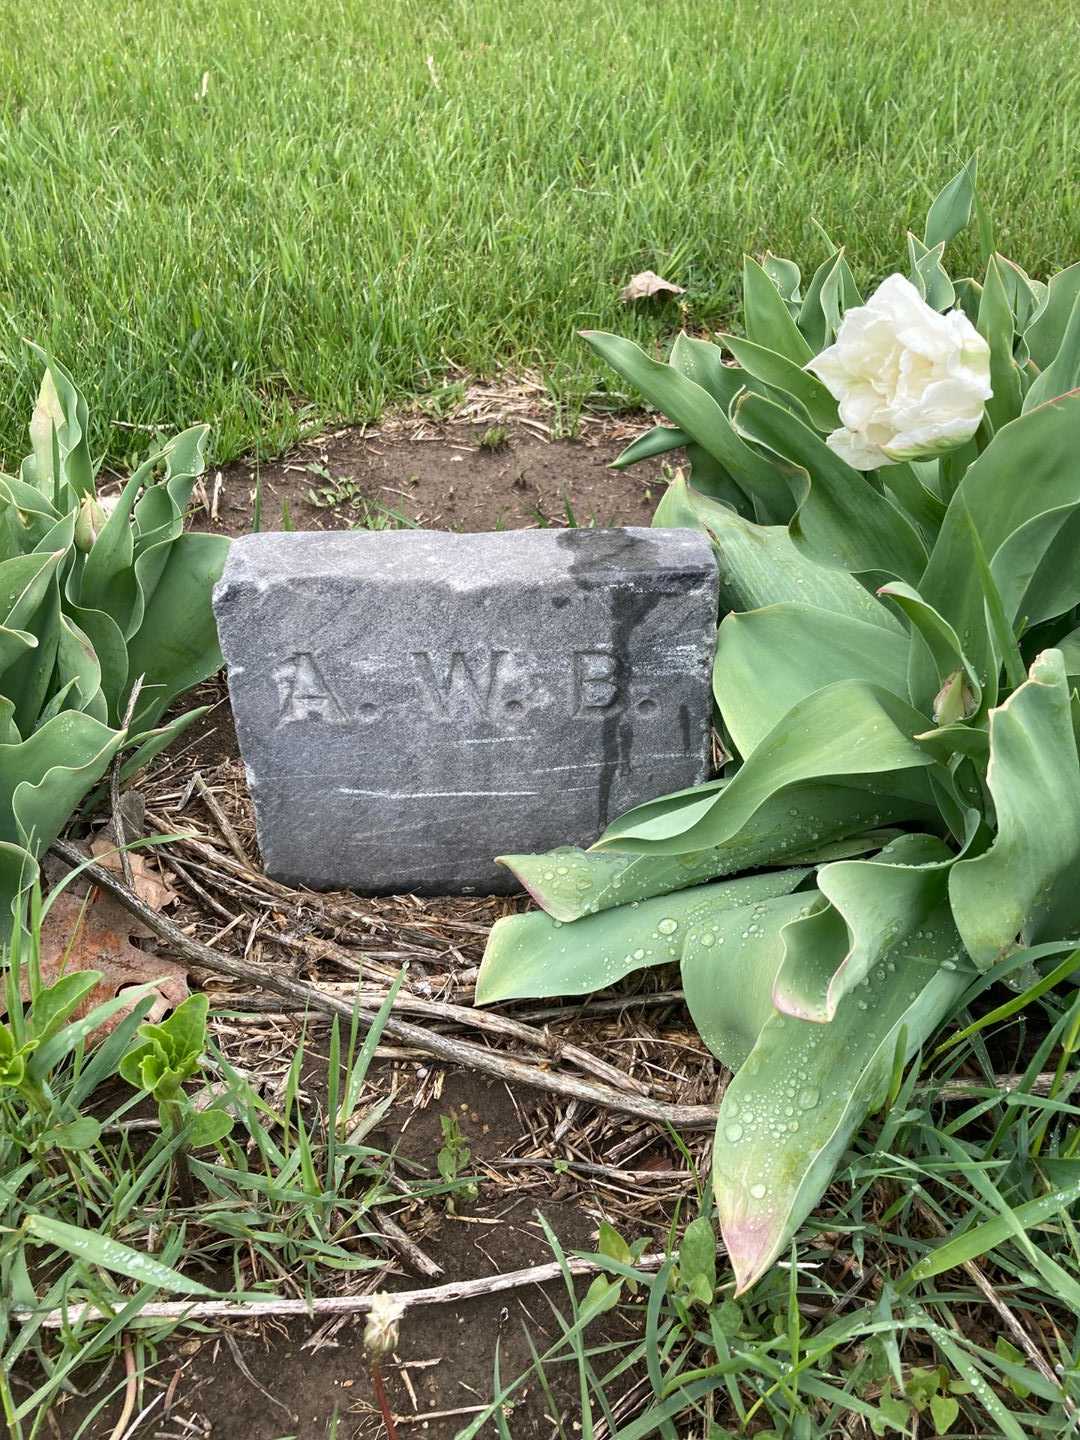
(263, 215)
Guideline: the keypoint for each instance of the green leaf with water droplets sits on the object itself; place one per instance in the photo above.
(730, 961)
(872, 907)
(789, 1114)
(533, 955)
(569, 883)
(1025, 883)
(94, 1249)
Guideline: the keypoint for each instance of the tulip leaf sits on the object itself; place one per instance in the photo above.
(951, 211)
(841, 520)
(760, 565)
(43, 778)
(77, 658)
(929, 275)
(995, 325)
(1025, 296)
(569, 883)
(657, 441)
(1034, 570)
(801, 649)
(847, 729)
(710, 480)
(729, 962)
(703, 363)
(768, 321)
(1046, 332)
(790, 1112)
(177, 645)
(1024, 885)
(692, 409)
(831, 291)
(108, 578)
(875, 907)
(71, 431)
(936, 640)
(785, 275)
(777, 370)
(533, 955)
(1040, 446)
(1063, 372)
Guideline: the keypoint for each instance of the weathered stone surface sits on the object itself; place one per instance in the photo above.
(411, 704)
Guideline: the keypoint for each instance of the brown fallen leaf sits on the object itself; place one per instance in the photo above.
(147, 880)
(96, 934)
(646, 285)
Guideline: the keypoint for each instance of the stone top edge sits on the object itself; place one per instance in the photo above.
(503, 554)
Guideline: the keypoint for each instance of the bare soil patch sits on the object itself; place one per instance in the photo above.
(489, 473)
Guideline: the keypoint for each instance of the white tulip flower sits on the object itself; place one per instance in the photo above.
(910, 382)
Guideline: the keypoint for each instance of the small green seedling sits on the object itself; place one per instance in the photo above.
(29, 1045)
(453, 1158)
(167, 1055)
(495, 437)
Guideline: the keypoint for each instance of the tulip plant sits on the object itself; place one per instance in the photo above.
(96, 609)
(893, 494)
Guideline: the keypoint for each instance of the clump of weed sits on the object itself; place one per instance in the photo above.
(494, 438)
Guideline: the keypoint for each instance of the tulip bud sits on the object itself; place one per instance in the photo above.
(89, 525)
(381, 1330)
(954, 701)
(48, 416)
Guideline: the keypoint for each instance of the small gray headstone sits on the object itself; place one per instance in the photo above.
(411, 704)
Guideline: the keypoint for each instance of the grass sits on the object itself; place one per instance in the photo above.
(950, 1241)
(288, 1198)
(266, 216)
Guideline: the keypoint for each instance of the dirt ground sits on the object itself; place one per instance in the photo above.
(443, 476)
(532, 1152)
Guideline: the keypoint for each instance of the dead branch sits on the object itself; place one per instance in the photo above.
(442, 1047)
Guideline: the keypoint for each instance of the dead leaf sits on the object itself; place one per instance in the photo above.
(147, 880)
(646, 285)
(95, 934)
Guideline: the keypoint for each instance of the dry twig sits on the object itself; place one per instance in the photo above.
(441, 1047)
(450, 1294)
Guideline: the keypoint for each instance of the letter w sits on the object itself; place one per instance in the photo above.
(459, 681)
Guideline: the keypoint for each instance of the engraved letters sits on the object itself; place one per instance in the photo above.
(456, 681)
(498, 686)
(595, 681)
(304, 691)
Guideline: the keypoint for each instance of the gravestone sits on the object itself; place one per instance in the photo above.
(411, 704)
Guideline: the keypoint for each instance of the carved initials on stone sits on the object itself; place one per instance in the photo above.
(304, 692)
(596, 681)
(458, 681)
